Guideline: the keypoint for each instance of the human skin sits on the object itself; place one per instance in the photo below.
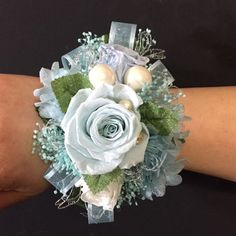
(21, 173)
(210, 148)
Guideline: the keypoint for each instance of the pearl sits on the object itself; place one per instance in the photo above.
(102, 74)
(137, 76)
(127, 104)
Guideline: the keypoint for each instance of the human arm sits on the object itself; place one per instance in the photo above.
(21, 173)
(211, 146)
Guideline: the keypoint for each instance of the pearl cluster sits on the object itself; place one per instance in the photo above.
(136, 77)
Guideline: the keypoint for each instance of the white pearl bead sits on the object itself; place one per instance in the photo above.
(137, 76)
(127, 104)
(102, 74)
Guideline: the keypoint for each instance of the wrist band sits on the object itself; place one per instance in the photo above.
(112, 126)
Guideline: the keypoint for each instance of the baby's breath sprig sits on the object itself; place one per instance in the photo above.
(90, 39)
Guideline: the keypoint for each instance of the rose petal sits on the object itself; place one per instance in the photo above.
(71, 138)
(136, 154)
(75, 103)
(117, 93)
(122, 92)
(90, 166)
(46, 76)
(82, 115)
(101, 114)
(108, 156)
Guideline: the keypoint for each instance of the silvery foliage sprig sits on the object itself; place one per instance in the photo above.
(144, 44)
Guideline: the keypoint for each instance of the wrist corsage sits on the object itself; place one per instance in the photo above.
(113, 126)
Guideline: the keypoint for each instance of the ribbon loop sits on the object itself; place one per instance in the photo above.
(122, 34)
(62, 181)
(71, 59)
(97, 215)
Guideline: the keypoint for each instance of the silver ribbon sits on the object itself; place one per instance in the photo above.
(159, 69)
(81, 59)
(122, 34)
(97, 215)
(62, 181)
(71, 59)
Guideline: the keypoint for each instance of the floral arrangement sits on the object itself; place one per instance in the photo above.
(112, 124)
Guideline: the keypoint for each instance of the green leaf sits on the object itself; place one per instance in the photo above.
(97, 183)
(66, 87)
(161, 120)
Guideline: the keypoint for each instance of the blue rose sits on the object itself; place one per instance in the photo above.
(100, 133)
